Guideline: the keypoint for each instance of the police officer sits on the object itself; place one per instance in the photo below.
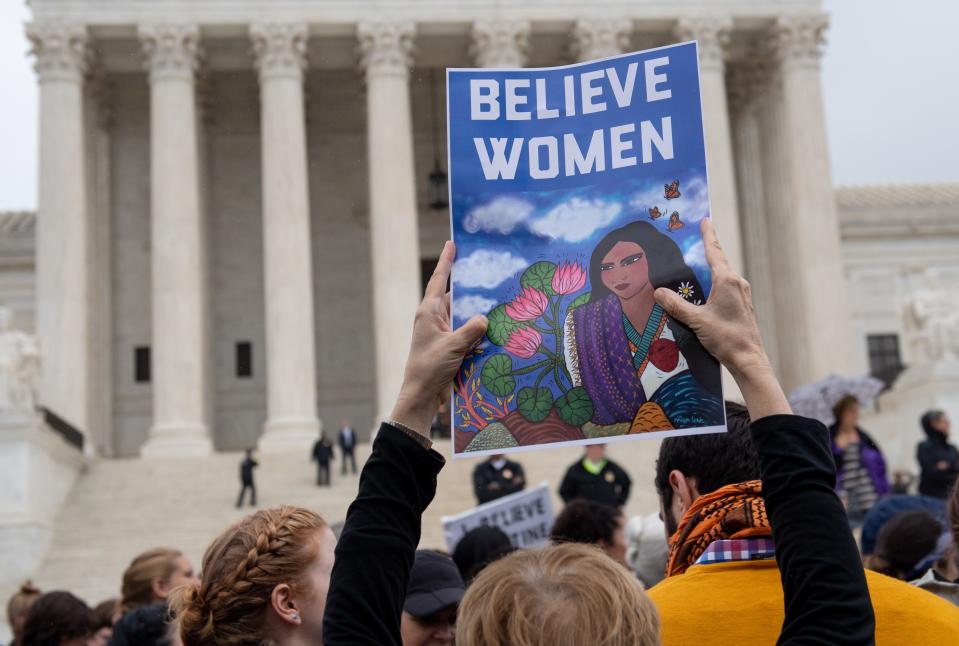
(497, 477)
(596, 478)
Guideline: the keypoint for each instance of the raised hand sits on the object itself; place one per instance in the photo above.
(436, 350)
(726, 326)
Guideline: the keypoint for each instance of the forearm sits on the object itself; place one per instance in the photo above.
(376, 548)
(758, 384)
(824, 586)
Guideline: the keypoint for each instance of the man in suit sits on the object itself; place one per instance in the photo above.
(322, 454)
(347, 441)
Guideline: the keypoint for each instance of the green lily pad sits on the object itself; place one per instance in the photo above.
(575, 407)
(497, 375)
(501, 325)
(582, 299)
(539, 275)
(534, 403)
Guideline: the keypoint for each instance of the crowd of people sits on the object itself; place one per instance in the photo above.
(756, 534)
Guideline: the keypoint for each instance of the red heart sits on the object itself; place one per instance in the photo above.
(664, 354)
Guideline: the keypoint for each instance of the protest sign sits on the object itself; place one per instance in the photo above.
(575, 192)
(526, 517)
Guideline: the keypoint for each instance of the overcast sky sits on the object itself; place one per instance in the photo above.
(890, 82)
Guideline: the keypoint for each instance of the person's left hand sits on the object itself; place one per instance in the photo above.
(436, 351)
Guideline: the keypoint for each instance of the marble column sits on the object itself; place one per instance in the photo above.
(386, 56)
(814, 328)
(64, 231)
(712, 34)
(601, 37)
(280, 54)
(179, 309)
(500, 43)
(747, 91)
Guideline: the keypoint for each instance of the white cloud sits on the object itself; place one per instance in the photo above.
(501, 215)
(576, 219)
(695, 256)
(486, 269)
(466, 307)
(692, 203)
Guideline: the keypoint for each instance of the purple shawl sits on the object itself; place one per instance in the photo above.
(605, 364)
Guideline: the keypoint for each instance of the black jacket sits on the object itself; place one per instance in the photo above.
(824, 585)
(322, 451)
(375, 552)
(610, 487)
(935, 478)
(490, 483)
(246, 470)
(347, 445)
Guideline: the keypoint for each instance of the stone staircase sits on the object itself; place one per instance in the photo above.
(120, 507)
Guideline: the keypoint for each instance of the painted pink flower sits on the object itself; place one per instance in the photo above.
(524, 342)
(529, 305)
(568, 278)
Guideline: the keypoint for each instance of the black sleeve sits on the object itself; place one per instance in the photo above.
(480, 483)
(824, 585)
(567, 489)
(376, 548)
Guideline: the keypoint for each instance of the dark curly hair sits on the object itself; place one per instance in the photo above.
(585, 521)
(54, 617)
(714, 460)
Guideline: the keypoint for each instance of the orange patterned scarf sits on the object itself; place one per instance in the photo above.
(733, 511)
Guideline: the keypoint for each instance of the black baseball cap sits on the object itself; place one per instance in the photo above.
(435, 583)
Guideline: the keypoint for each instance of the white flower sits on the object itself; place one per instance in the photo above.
(685, 290)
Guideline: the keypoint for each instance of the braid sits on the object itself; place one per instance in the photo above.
(240, 570)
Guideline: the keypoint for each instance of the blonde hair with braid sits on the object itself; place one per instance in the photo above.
(240, 570)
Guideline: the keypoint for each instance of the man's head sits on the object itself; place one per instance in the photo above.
(432, 598)
(905, 545)
(692, 465)
(595, 452)
(585, 521)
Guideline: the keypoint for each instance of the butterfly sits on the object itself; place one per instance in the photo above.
(675, 222)
(672, 190)
(656, 213)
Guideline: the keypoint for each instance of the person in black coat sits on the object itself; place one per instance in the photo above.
(819, 562)
(347, 441)
(938, 460)
(497, 477)
(597, 479)
(246, 479)
(322, 454)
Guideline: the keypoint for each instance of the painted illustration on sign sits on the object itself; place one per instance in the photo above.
(569, 209)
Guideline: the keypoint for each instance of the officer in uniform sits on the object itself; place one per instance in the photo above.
(497, 477)
(596, 478)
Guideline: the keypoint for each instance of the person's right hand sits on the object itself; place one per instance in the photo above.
(726, 326)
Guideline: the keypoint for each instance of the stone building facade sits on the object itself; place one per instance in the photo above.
(234, 214)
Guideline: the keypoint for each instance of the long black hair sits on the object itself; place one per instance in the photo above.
(667, 268)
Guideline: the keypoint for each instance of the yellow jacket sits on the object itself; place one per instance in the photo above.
(741, 604)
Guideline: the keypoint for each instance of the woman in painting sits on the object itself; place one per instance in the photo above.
(638, 365)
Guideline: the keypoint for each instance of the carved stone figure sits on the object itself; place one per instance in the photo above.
(19, 365)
